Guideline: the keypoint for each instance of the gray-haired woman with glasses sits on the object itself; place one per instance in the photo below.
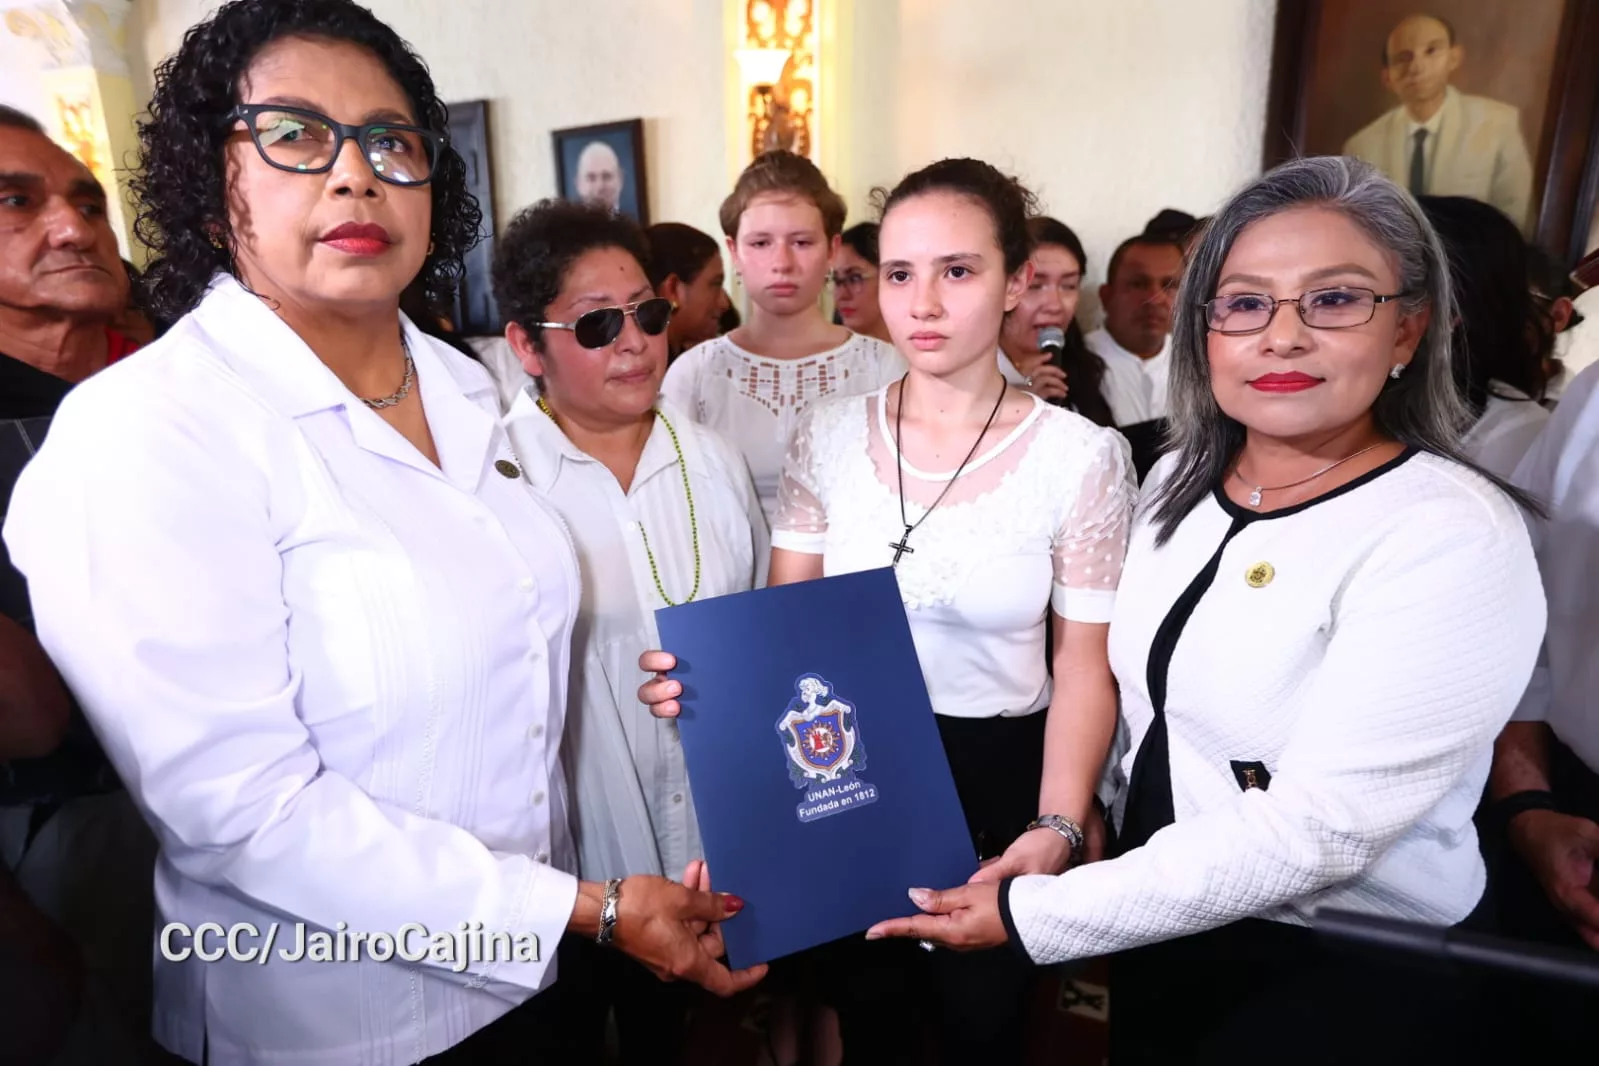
(1325, 617)
(286, 561)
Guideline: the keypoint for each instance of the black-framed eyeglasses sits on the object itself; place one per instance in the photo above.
(1339, 307)
(601, 326)
(308, 142)
(852, 280)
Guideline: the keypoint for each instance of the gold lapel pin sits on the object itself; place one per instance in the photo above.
(1260, 575)
(507, 468)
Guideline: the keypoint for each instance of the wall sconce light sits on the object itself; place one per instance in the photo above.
(780, 100)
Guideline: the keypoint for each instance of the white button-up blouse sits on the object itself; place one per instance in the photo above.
(332, 675)
(633, 812)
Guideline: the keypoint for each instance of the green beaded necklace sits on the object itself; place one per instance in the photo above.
(693, 523)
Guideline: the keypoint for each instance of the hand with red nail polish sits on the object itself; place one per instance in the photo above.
(671, 928)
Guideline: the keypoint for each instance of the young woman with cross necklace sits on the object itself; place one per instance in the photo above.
(1026, 531)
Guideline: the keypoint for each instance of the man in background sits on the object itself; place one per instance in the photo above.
(75, 857)
(1439, 141)
(599, 176)
(1137, 296)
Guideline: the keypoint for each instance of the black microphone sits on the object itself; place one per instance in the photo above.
(1052, 339)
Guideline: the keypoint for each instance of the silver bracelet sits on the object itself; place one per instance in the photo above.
(613, 895)
(1070, 830)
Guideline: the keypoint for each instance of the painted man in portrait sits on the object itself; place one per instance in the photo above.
(1440, 141)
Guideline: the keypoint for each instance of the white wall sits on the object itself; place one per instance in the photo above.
(1110, 111)
(22, 66)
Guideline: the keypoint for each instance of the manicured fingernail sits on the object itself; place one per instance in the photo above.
(732, 903)
(674, 687)
(921, 897)
(873, 934)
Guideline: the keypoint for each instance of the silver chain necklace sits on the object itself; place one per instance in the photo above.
(1254, 496)
(404, 390)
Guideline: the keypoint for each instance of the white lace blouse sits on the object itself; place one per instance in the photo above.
(755, 402)
(1037, 521)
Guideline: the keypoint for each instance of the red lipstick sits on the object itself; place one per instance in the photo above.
(1290, 382)
(358, 238)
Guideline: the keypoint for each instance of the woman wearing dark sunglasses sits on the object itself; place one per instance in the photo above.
(662, 512)
(287, 563)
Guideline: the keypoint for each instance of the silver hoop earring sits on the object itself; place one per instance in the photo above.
(1399, 369)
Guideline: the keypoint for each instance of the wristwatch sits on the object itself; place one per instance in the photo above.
(613, 895)
(1062, 825)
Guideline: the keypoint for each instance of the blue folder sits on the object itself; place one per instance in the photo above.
(819, 778)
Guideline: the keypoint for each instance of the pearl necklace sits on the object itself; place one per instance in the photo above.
(688, 493)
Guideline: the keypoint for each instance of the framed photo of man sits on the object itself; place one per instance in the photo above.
(604, 164)
(1478, 98)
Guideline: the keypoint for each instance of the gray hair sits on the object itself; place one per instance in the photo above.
(1423, 408)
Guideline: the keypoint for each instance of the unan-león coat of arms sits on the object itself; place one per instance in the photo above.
(820, 734)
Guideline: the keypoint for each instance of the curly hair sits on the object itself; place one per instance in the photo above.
(181, 184)
(1008, 202)
(540, 245)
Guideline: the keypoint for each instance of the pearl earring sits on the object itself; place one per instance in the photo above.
(1399, 368)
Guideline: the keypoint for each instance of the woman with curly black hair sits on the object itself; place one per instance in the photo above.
(289, 566)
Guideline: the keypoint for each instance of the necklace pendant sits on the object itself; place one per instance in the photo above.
(1254, 498)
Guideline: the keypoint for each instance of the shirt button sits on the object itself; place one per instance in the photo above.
(677, 797)
(538, 798)
(526, 584)
(535, 732)
(631, 527)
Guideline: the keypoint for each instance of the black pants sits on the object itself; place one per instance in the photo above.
(1541, 1021)
(535, 1032)
(998, 765)
(885, 992)
(1260, 991)
(651, 1014)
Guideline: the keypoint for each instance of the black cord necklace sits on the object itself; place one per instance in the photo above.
(903, 548)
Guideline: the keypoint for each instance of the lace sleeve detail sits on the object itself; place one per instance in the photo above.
(1091, 543)
(801, 523)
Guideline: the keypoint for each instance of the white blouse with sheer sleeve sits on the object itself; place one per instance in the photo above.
(1039, 520)
(756, 402)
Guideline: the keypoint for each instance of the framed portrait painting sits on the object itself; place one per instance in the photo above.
(1479, 98)
(604, 164)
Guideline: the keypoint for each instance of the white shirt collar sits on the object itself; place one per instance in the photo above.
(1431, 125)
(1007, 368)
(1108, 347)
(262, 349)
(542, 447)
